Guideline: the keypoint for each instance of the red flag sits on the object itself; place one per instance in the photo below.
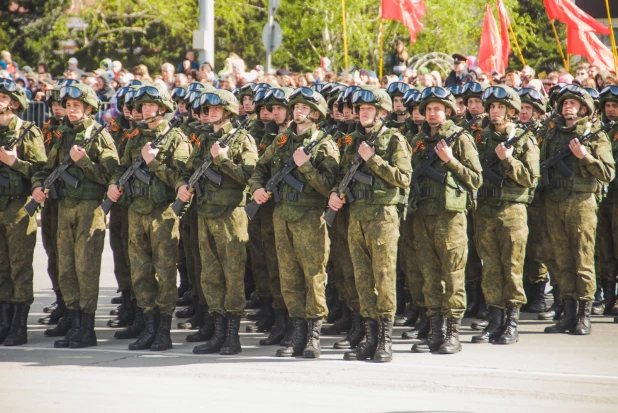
(504, 32)
(571, 15)
(409, 12)
(490, 51)
(587, 44)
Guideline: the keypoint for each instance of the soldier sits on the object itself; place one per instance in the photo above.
(222, 223)
(440, 223)
(300, 232)
(49, 217)
(458, 92)
(81, 223)
(399, 116)
(500, 216)
(571, 204)
(374, 219)
(153, 226)
(414, 278)
(533, 107)
(472, 93)
(22, 153)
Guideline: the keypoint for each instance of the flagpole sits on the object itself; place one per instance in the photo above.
(611, 36)
(553, 25)
(521, 56)
(345, 36)
(381, 45)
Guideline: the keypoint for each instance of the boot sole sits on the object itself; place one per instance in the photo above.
(502, 342)
(163, 348)
(449, 352)
(81, 345)
(18, 343)
(383, 360)
(232, 352)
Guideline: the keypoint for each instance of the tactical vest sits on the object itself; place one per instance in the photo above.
(510, 190)
(86, 189)
(18, 183)
(309, 197)
(231, 192)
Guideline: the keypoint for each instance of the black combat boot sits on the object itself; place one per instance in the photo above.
(451, 343)
(149, 334)
(510, 335)
(312, 345)
(86, 336)
(557, 308)
(116, 300)
(334, 312)
(569, 320)
(479, 324)
(56, 314)
(189, 311)
(483, 309)
(19, 328)
(614, 310)
(494, 327)
(367, 349)
(253, 302)
(231, 345)
(135, 329)
(6, 319)
(163, 340)
(598, 306)
(195, 321)
(609, 291)
(298, 341)
(187, 299)
(421, 331)
(409, 316)
(536, 304)
(286, 341)
(61, 329)
(76, 323)
(126, 313)
(278, 331)
(384, 350)
(218, 338)
(342, 325)
(473, 299)
(583, 326)
(184, 285)
(206, 331)
(355, 335)
(435, 339)
(266, 322)
(52, 306)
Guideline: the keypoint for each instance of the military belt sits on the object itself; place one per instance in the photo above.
(360, 194)
(142, 191)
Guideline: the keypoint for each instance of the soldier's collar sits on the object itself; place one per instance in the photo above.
(308, 133)
(225, 129)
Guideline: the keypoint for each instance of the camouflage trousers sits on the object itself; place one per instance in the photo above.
(270, 252)
(442, 247)
(373, 248)
(17, 242)
(153, 245)
(49, 234)
(604, 260)
(119, 243)
(535, 269)
(302, 250)
(189, 235)
(257, 254)
(474, 267)
(572, 225)
(500, 238)
(411, 263)
(342, 267)
(223, 249)
(81, 239)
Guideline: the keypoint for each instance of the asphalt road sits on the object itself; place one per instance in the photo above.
(543, 373)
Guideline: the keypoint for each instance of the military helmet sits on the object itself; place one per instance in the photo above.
(277, 96)
(15, 92)
(311, 98)
(575, 92)
(397, 89)
(437, 94)
(345, 97)
(594, 94)
(374, 96)
(534, 98)
(81, 92)
(53, 95)
(154, 94)
(608, 94)
(473, 90)
(501, 94)
(179, 93)
(412, 98)
(220, 97)
(553, 93)
(245, 90)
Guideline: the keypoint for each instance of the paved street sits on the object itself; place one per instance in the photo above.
(542, 373)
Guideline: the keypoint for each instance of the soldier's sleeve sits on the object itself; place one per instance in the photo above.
(261, 172)
(398, 170)
(524, 171)
(242, 171)
(188, 169)
(343, 170)
(322, 173)
(125, 162)
(599, 161)
(169, 172)
(38, 178)
(31, 156)
(466, 165)
(104, 152)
